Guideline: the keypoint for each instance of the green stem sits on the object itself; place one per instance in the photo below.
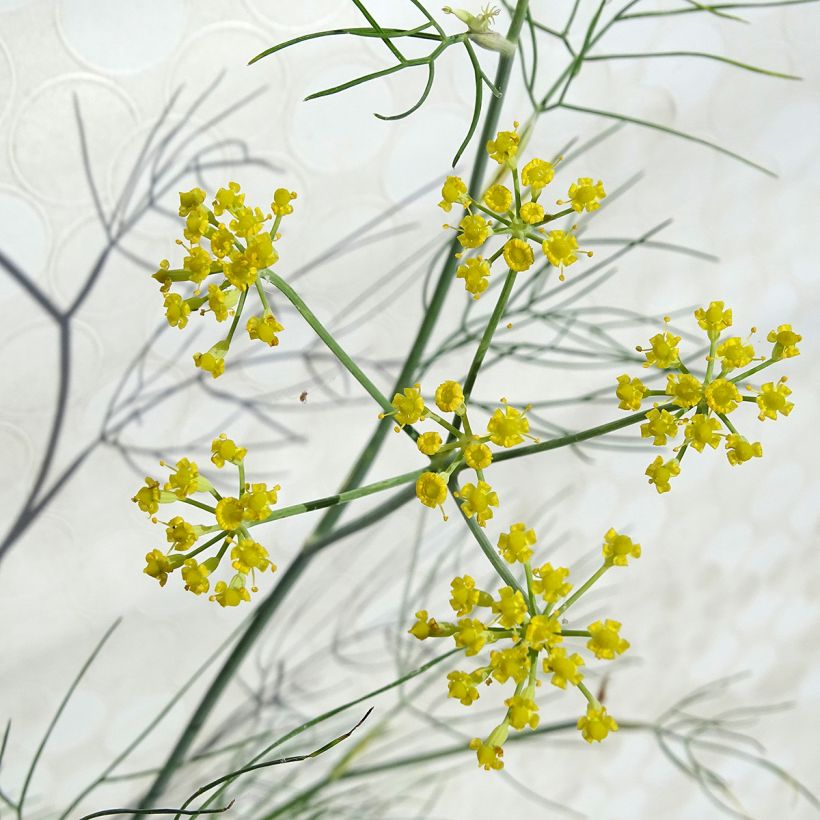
(236, 316)
(194, 503)
(729, 425)
(530, 594)
(587, 694)
(340, 498)
(748, 373)
(489, 331)
(262, 296)
(325, 335)
(323, 532)
(581, 590)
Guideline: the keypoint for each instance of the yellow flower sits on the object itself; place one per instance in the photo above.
(158, 566)
(213, 361)
(229, 513)
(663, 352)
(264, 328)
(176, 310)
(702, 430)
(474, 231)
(714, 318)
(596, 724)
(449, 396)
(228, 199)
(260, 252)
(510, 607)
(247, 555)
(605, 641)
(551, 584)
(477, 455)
(498, 198)
(429, 443)
(489, 757)
(518, 255)
(522, 712)
(282, 198)
(221, 301)
(465, 596)
(564, 667)
(476, 500)
(504, 147)
(197, 264)
(685, 389)
(230, 594)
(222, 240)
(532, 213)
(618, 548)
(733, 354)
(239, 271)
(454, 190)
(462, 687)
(147, 498)
(584, 195)
(516, 544)
(180, 534)
(560, 248)
(507, 427)
(785, 342)
(196, 224)
(722, 395)
(773, 399)
(471, 635)
(256, 501)
(431, 489)
(224, 449)
(543, 631)
(190, 200)
(510, 663)
(408, 407)
(184, 481)
(247, 222)
(195, 576)
(739, 450)
(660, 425)
(424, 627)
(475, 272)
(630, 392)
(537, 174)
(660, 472)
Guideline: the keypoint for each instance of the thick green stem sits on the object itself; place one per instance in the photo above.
(268, 607)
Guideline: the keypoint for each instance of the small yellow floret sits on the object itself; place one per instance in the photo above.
(522, 712)
(516, 545)
(464, 595)
(605, 641)
(475, 272)
(714, 318)
(660, 472)
(449, 397)
(180, 534)
(230, 594)
(663, 352)
(560, 248)
(507, 427)
(282, 198)
(630, 392)
(264, 328)
(722, 395)
(228, 199)
(498, 198)
(195, 576)
(474, 231)
(510, 663)
(213, 361)
(471, 635)
(477, 455)
(734, 354)
(531, 213)
(229, 513)
(431, 489)
(510, 607)
(596, 724)
(408, 406)
(489, 757)
(462, 687)
(190, 200)
(702, 430)
(184, 480)
(585, 195)
(618, 548)
(477, 500)
(685, 389)
(543, 631)
(224, 449)
(257, 499)
(785, 342)
(660, 425)
(564, 667)
(158, 565)
(773, 399)
(504, 147)
(518, 255)
(247, 555)
(551, 583)
(429, 443)
(177, 310)
(454, 190)
(537, 174)
(739, 450)
(147, 498)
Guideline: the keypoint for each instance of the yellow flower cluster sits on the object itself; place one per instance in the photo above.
(238, 248)
(517, 215)
(506, 427)
(231, 517)
(700, 406)
(523, 624)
